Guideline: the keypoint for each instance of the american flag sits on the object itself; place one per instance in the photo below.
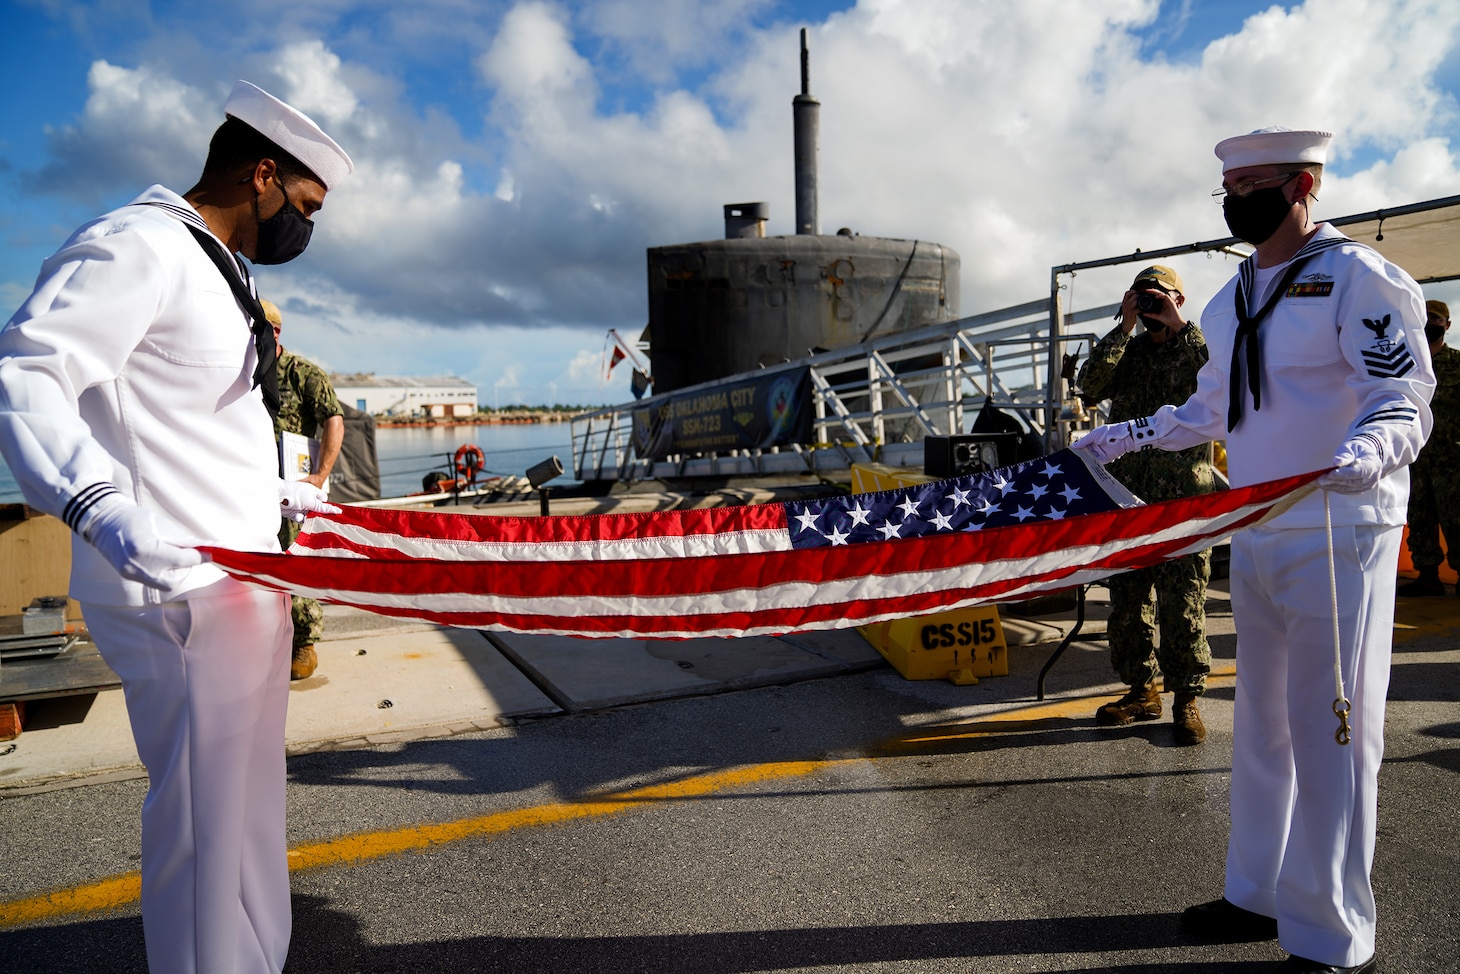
(757, 569)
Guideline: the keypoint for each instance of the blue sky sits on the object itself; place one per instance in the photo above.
(515, 159)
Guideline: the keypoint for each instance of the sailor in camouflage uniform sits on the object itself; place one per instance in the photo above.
(310, 408)
(1434, 477)
(1139, 373)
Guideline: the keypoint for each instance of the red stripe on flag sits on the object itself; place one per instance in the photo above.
(469, 528)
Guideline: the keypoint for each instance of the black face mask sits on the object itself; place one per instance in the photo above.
(1256, 216)
(283, 236)
(1434, 333)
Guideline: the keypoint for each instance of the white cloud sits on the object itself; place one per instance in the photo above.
(314, 85)
(585, 368)
(139, 126)
(657, 38)
(1423, 170)
(341, 333)
(532, 61)
(1021, 135)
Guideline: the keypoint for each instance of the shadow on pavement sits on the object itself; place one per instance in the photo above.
(112, 944)
(329, 939)
(334, 943)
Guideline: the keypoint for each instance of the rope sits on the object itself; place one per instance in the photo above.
(1340, 702)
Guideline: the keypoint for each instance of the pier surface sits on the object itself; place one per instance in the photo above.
(523, 805)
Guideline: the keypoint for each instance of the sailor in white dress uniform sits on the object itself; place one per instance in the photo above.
(1318, 359)
(133, 386)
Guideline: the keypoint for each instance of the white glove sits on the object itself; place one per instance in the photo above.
(1107, 443)
(297, 498)
(1360, 463)
(138, 545)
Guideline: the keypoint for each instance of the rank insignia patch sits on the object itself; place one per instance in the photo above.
(1386, 358)
(1312, 289)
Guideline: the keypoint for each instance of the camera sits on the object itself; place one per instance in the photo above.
(1148, 302)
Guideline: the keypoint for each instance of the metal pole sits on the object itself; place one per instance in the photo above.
(806, 113)
(1053, 392)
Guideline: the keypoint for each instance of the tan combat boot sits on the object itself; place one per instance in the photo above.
(1141, 703)
(1186, 720)
(303, 663)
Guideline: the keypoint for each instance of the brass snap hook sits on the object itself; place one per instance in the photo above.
(1340, 710)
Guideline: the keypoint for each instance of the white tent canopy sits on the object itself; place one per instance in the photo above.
(1423, 238)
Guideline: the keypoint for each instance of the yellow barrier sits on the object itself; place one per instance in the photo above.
(961, 644)
(867, 477)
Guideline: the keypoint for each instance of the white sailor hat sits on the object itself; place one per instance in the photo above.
(1274, 145)
(291, 130)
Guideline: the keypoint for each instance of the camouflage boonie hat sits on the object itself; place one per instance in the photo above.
(1163, 277)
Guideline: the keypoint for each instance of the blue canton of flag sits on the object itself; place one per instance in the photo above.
(1056, 486)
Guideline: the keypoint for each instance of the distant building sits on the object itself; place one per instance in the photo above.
(406, 396)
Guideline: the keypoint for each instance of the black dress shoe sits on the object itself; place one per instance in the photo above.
(1301, 965)
(1222, 922)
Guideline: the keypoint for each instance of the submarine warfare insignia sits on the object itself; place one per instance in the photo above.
(1386, 358)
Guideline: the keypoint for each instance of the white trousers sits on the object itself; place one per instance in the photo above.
(207, 688)
(1304, 806)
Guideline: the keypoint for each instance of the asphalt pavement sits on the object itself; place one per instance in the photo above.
(831, 819)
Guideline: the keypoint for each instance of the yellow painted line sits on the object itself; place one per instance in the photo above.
(114, 892)
(104, 894)
(352, 849)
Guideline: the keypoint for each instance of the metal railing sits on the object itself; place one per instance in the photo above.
(876, 401)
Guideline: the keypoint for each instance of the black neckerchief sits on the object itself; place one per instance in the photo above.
(266, 369)
(1247, 325)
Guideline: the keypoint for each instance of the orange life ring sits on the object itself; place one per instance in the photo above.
(469, 461)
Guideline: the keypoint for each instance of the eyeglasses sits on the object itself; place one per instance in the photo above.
(1219, 196)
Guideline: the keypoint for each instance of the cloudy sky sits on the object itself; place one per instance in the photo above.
(515, 159)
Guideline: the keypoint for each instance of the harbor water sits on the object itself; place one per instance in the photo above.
(408, 453)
